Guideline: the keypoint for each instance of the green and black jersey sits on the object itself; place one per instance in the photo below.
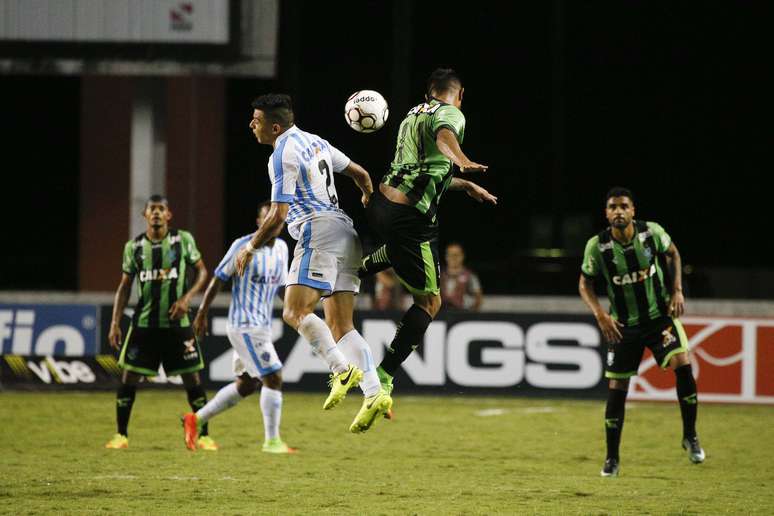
(635, 279)
(419, 169)
(160, 268)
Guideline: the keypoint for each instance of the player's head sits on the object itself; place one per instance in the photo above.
(619, 207)
(272, 116)
(263, 211)
(157, 212)
(455, 255)
(445, 84)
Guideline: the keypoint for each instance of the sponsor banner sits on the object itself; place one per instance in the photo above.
(43, 329)
(56, 372)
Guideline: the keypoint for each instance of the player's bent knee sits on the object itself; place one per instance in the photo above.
(273, 381)
(190, 380)
(293, 316)
(619, 384)
(679, 360)
(246, 385)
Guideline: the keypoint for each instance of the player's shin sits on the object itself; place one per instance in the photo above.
(124, 403)
(357, 351)
(224, 399)
(614, 421)
(409, 336)
(319, 336)
(271, 408)
(197, 399)
(687, 395)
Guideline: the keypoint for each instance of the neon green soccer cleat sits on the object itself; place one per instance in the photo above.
(118, 442)
(206, 443)
(277, 445)
(373, 407)
(340, 384)
(386, 380)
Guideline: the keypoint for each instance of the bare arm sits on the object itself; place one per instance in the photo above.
(473, 190)
(608, 325)
(200, 322)
(119, 304)
(179, 308)
(361, 178)
(447, 143)
(271, 228)
(677, 304)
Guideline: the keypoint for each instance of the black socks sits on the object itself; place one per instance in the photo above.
(614, 420)
(409, 336)
(124, 401)
(689, 402)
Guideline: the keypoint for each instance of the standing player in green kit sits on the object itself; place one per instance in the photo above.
(404, 209)
(643, 313)
(161, 331)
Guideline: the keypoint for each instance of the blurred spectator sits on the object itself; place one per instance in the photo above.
(388, 292)
(460, 287)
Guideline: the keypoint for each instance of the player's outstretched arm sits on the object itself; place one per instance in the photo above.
(447, 143)
(473, 190)
(677, 304)
(119, 304)
(180, 307)
(608, 325)
(271, 228)
(362, 179)
(200, 321)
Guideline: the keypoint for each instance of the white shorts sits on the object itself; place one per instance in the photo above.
(254, 352)
(327, 256)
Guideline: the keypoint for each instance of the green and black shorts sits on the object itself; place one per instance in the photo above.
(665, 337)
(411, 242)
(145, 349)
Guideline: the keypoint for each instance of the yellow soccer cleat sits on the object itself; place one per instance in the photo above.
(340, 384)
(373, 407)
(206, 443)
(277, 445)
(118, 442)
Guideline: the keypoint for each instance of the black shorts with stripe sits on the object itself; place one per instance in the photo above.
(665, 337)
(411, 243)
(176, 349)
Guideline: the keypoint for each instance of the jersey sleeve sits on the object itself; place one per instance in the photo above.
(283, 171)
(191, 252)
(660, 236)
(591, 257)
(128, 265)
(451, 118)
(225, 269)
(339, 160)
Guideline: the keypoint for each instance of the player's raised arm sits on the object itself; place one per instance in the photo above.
(361, 178)
(478, 193)
(448, 145)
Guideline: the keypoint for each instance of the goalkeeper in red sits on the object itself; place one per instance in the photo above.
(643, 312)
(404, 209)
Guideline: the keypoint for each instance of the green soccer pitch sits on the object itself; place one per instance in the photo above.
(441, 455)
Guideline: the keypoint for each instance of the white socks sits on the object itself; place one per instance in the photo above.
(225, 398)
(271, 407)
(357, 351)
(317, 333)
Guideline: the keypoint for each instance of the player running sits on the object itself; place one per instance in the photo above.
(328, 252)
(643, 313)
(249, 331)
(403, 211)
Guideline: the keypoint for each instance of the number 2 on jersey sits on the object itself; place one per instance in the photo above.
(326, 171)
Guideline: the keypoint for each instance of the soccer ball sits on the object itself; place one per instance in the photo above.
(366, 111)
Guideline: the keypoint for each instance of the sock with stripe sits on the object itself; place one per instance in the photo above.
(408, 337)
(319, 336)
(197, 399)
(689, 402)
(614, 420)
(374, 262)
(124, 403)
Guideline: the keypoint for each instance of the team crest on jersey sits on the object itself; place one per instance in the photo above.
(648, 253)
(158, 274)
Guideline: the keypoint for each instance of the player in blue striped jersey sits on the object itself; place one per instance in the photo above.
(249, 331)
(328, 252)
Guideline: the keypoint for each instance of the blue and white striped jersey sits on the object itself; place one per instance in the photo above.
(252, 295)
(301, 170)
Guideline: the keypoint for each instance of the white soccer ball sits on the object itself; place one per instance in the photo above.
(366, 111)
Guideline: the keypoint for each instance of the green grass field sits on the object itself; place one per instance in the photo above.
(441, 455)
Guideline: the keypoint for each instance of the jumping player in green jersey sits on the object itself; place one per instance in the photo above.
(404, 210)
(161, 331)
(643, 313)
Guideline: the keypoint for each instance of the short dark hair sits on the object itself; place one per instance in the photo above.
(276, 107)
(443, 80)
(619, 191)
(264, 204)
(156, 198)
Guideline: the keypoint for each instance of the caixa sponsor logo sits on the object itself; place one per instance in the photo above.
(62, 330)
(483, 354)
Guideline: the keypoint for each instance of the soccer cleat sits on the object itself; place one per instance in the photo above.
(118, 442)
(373, 407)
(190, 430)
(610, 469)
(340, 384)
(695, 452)
(277, 445)
(206, 443)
